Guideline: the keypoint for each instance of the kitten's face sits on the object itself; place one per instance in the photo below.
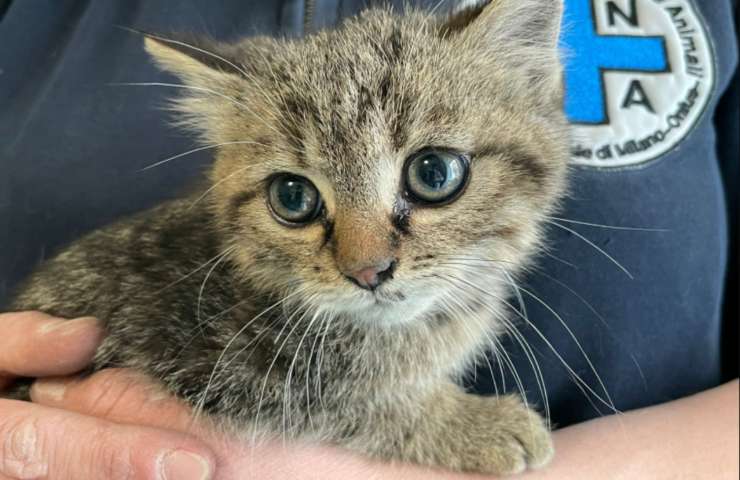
(395, 161)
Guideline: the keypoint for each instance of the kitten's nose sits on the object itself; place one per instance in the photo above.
(371, 277)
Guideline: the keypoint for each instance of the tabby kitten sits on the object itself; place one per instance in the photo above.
(376, 189)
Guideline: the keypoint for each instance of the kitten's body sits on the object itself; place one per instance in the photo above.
(251, 321)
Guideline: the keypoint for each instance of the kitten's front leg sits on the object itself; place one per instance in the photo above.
(460, 431)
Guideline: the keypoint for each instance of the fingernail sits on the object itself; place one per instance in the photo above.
(182, 465)
(69, 327)
(48, 389)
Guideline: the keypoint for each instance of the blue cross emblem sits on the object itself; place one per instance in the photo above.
(588, 55)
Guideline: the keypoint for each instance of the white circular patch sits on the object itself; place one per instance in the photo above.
(638, 76)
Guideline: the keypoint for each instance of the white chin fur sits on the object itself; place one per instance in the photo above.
(384, 310)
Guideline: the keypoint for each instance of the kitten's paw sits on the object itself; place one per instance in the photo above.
(518, 439)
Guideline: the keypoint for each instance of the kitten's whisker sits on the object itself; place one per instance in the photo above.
(321, 363)
(452, 310)
(592, 244)
(439, 4)
(532, 360)
(496, 346)
(259, 336)
(289, 375)
(499, 360)
(207, 321)
(517, 378)
(539, 271)
(608, 227)
(217, 184)
(183, 86)
(238, 68)
(186, 45)
(308, 371)
(286, 322)
(585, 302)
(274, 361)
(196, 150)
(190, 274)
(544, 339)
(539, 378)
(198, 89)
(558, 259)
(575, 339)
(201, 403)
(202, 289)
(254, 340)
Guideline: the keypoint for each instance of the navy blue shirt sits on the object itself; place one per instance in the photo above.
(655, 140)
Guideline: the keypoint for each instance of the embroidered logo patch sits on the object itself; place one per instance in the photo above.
(638, 74)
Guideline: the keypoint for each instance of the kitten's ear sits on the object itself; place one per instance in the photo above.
(521, 34)
(533, 23)
(196, 61)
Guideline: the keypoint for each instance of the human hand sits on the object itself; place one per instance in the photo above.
(708, 420)
(127, 397)
(696, 435)
(38, 441)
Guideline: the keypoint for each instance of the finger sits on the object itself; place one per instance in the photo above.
(34, 344)
(42, 442)
(119, 395)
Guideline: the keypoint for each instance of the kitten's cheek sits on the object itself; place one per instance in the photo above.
(118, 395)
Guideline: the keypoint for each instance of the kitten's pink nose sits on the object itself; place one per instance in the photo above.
(371, 277)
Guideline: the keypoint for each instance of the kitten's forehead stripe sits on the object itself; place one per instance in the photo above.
(295, 114)
(361, 98)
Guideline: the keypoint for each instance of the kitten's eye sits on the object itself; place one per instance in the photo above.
(436, 176)
(294, 199)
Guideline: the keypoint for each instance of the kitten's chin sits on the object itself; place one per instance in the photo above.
(386, 309)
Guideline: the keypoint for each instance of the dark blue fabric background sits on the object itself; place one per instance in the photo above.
(70, 148)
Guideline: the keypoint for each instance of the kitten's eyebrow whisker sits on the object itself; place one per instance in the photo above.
(197, 89)
(186, 45)
(592, 244)
(196, 150)
(238, 68)
(180, 85)
(608, 227)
